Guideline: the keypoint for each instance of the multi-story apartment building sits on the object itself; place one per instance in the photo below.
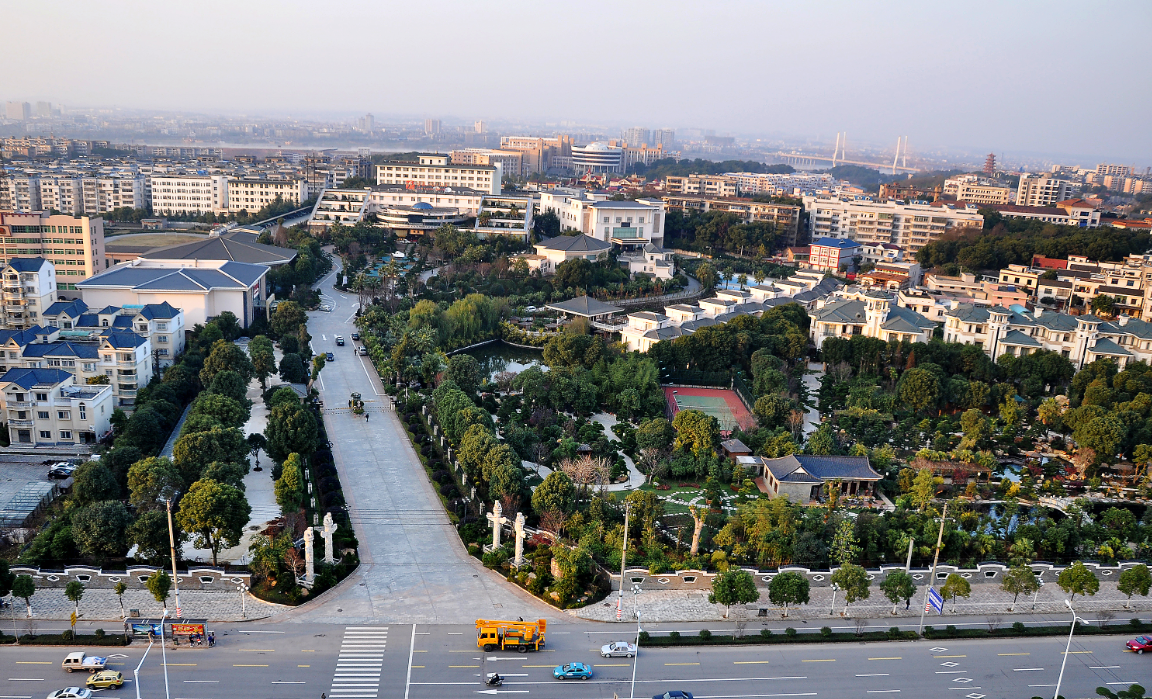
(1040, 189)
(19, 192)
(790, 184)
(73, 244)
(703, 185)
(126, 359)
(46, 407)
(433, 170)
(628, 223)
(1072, 212)
(511, 161)
(871, 313)
(161, 323)
(976, 190)
(254, 194)
(785, 217)
(188, 194)
(78, 195)
(540, 154)
(911, 226)
(505, 215)
(833, 255)
(29, 287)
(1111, 169)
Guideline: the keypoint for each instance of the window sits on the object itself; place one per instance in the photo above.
(63, 415)
(162, 338)
(65, 434)
(45, 434)
(41, 396)
(83, 412)
(42, 414)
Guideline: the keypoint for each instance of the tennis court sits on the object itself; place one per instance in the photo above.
(721, 403)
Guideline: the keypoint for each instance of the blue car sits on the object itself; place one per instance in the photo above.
(572, 671)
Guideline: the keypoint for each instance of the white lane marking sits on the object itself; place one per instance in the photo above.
(411, 652)
(1103, 667)
(875, 674)
(1027, 669)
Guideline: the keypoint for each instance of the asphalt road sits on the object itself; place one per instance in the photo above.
(397, 661)
(414, 569)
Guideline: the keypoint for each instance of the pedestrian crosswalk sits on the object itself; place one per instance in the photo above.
(358, 666)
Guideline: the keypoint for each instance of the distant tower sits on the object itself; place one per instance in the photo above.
(990, 164)
(479, 127)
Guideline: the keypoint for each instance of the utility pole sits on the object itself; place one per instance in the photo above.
(932, 575)
(172, 547)
(623, 562)
(908, 563)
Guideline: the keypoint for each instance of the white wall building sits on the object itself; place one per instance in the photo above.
(73, 244)
(911, 226)
(1042, 190)
(251, 195)
(45, 407)
(871, 314)
(436, 171)
(189, 194)
(597, 157)
(29, 285)
(977, 190)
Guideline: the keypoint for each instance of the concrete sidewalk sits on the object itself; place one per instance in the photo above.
(103, 605)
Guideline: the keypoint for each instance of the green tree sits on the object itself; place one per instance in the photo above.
(1078, 580)
(292, 369)
(707, 276)
(786, 589)
(733, 587)
(226, 356)
(318, 363)
(955, 586)
(464, 371)
(898, 586)
(222, 408)
(556, 493)
(263, 356)
(1133, 581)
(216, 513)
(1019, 580)
(919, 388)
(1104, 305)
(287, 319)
(772, 411)
(151, 481)
(119, 589)
(23, 587)
(74, 591)
(231, 384)
(696, 433)
(93, 482)
(975, 427)
(290, 486)
(291, 429)
(853, 580)
(1134, 691)
(194, 451)
(844, 548)
(924, 488)
(229, 325)
(149, 534)
(656, 433)
(159, 584)
(224, 472)
(100, 530)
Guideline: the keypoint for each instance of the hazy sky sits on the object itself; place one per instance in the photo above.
(1044, 76)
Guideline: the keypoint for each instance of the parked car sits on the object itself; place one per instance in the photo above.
(104, 680)
(355, 336)
(1139, 644)
(79, 661)
(674, 694)
(363, 350)
(330, 357)
(339, 340)
(619, 649)
(61, 470)
(572, 671)
(530, 309)
(71, 693)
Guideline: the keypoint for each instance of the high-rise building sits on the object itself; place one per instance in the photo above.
(19, 111)
(366, 124)
(434, 170)
(637, 135)
(73, 244)
(664, 137)
(1109, 169)
(479, 127)
(43, 109)
(431, 127)
(541, 154)
(1042, 190)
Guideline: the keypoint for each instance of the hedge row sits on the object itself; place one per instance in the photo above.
(766, 636)
(65, 639)
(1019, 629)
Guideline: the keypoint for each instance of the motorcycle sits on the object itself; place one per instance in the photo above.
(493, 680)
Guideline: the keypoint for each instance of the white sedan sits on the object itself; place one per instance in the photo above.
(619, 649)
(71, 693)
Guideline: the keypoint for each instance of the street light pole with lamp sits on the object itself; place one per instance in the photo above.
(242, 588)
(835, 589)
(1068, 648)
(172, 548)
(164, 654)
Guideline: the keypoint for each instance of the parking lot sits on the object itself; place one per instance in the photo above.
(17, 472)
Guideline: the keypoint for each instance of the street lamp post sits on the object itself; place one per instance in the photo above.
(1067, 649)
(1036, 594)
(242, 588)
(136, 672)
(835, 589)
(932, 574)
(164, 653)
(623, 563)
(636, 660)
(172, 547)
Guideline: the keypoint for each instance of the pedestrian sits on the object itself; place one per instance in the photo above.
(366, 415)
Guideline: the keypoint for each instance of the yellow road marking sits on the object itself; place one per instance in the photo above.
(1013, 654)
(419, 666)
(463, 666)
(681, 663)
(419, 651)
(249, 666)
(749, 662)
(821, 660)
(616, 665)
(33, 662)
(303, 666)
(185, 665)
(308, 650)
(949, 656)
(895, 658)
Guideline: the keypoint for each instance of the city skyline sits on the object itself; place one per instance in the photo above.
(946, 80)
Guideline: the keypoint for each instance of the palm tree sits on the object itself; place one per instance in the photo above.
(758, 275)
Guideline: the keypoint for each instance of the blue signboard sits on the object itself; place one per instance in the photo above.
(935, 601)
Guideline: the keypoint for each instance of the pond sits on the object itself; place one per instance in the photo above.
(497, 357)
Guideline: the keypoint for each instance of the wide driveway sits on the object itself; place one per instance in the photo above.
(414, 568)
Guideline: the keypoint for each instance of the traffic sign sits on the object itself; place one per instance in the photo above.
(935, 601)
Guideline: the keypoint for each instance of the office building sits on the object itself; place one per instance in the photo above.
(637, 135)
(664, 137)
(976, 190)
(911, 226)
(597, 158)
(511, 161)
(431, 127)
(45, 407)
(44, 109)
(73, 244)
(540, 154)
(1042, 190)
(434, 171)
